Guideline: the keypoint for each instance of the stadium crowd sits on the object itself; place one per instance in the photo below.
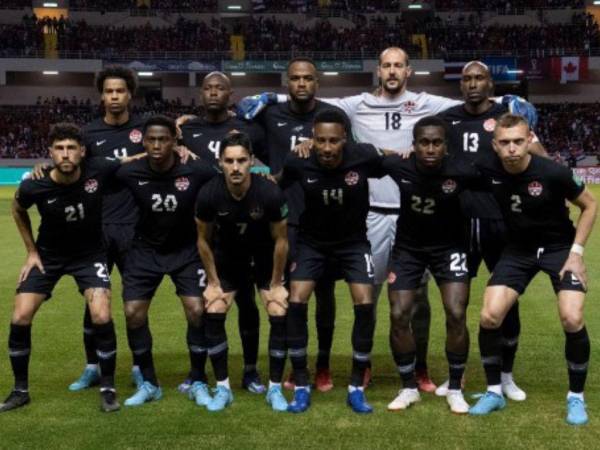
(568, 130)
(267, 33)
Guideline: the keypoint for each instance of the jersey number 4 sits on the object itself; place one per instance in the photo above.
(167, 203)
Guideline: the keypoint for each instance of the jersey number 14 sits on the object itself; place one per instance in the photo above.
(331, 196)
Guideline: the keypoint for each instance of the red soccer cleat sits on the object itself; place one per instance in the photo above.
(323, 381)
(424, 382)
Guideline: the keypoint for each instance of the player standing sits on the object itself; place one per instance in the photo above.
(332, 228)
(69, 242)
(203, 137)
(531, 192)
(165, 192)
(242, 232)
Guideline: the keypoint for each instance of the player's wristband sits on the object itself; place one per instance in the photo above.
(576, 248)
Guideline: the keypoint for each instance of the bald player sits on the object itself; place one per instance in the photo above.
(471, 131)
(203, 136)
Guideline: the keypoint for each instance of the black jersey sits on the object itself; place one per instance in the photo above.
(204, 138)
(241, 225)
(533, 202)
(166, 201)
(336, 200)
(71, 215)
(284, 130)
(430, 216)
(118, 141)
(470, 139)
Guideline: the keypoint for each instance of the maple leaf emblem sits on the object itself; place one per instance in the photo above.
(570, 68)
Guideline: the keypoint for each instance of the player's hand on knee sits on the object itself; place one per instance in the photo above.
(39, 171)
(185, 154)
(276, 298)
(303, 149)
(33, 260)
(213, 293)
(576, 266)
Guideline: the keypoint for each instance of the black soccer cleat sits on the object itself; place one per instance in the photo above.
(16, 399)
(109, 400)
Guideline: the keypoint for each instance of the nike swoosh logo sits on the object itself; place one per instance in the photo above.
(405, 181)
(99, 143)
(496, 182)
(455, 122)
(311, 180)
(51, 201)
(223, 213)
(281, 124)
(196, 135)
(142, 183)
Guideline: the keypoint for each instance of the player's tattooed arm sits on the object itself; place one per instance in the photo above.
(588, 205)
(23, 222)
(213, 291)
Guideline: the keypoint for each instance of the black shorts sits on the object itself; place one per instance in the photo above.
(145, 268)
(237, 271)
(517, 267)
(332, 271)
(448, 265)
(487, 241)
(352, 260)
(117, 240)
(88, 270)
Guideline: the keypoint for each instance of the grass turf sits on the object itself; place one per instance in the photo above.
(57, 418)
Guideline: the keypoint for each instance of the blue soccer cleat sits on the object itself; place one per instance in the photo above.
(576, 413)
(276, 399)
(90, 377)
(251, 382)
(301, 400)
(198, 391)
(488, 403)
(147, 392)
(358, 402)
(223, 398)
(136, 377)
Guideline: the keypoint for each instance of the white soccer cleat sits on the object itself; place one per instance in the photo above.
(405, 398)
(512, 391)
(442, 389)
(456, 402)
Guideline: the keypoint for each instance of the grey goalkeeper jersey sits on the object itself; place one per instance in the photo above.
(388, 123)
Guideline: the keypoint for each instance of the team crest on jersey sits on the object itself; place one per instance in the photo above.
(135, 136)
(391, 277)
(489, 125)
(448, 186)
(182, 183)
(409, 106)
(351, 178)
(90, 186)
(256, 213)
(535, 188)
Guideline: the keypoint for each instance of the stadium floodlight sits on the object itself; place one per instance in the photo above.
(597, 2)
(422, 72)
(50, 72)
(238, 74)
(415, 6)
(234, 7)
(50, 5)
(331, 74)
(146, 74)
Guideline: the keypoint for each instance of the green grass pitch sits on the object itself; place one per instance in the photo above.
(57, 418)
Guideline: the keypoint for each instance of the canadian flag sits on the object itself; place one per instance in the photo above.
(570, 68)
